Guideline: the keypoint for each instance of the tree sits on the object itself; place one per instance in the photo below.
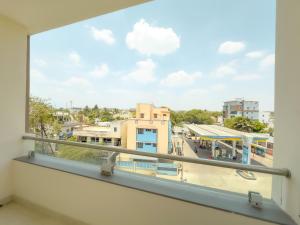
(42, 120)
(41, 117)
(245, 124)
(258, 126)
(196, 116)
(96, 108)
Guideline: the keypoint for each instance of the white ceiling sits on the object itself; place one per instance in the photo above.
(42, 15)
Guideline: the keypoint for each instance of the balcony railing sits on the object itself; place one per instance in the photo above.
(260, 169)
(206, 182)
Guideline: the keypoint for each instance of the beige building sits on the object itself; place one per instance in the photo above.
(149, 131)
(107, 133)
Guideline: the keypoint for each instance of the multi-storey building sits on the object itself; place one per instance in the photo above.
(267, 117)
(241, 107)
(150, 130)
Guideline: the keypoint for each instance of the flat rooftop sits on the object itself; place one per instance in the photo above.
(216, 132)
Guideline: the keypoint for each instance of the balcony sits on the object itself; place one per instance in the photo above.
(56, 185)
(43, 189)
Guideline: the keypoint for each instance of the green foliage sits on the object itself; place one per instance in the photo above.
(41, 117)
(80, 154)
(72, 138)
(89, 115)
(196, 116)
(245, 124)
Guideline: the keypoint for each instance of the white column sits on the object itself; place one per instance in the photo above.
(213, 151)
(249, 153)
(287, 107)
(234, 148)
(13, 40)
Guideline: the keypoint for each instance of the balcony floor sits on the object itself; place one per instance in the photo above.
(17, 214)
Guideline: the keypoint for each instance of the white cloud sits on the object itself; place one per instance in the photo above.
(40, 62)
(77, 82)
(74, 58)
(226, 69)
(194, 93)
(218, 87)
(255, 54)
(231, 47)
(152, 40)
(104, 35)
(100, 71)
(247, 77)
(180, 78)
(268, 60)
(36, 75)
(143, 73)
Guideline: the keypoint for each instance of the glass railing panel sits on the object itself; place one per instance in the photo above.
(225, 179)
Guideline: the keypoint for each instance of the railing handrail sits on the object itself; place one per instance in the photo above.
(260, 169)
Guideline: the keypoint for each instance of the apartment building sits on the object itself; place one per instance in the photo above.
(241, 107)
(267, 117)
(107, 133)
(150, 130)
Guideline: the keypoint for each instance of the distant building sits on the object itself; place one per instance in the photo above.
(67, 129)
(75, 109)
(123, 114)
(107, 133)
(267, 117)
(150, 130)
(179, 130)
(241, 107)
(62, 116)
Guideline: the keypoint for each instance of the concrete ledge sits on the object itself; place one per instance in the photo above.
(216, 199)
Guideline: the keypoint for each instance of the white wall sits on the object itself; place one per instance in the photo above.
(287, 106)
(96, 202)
(12, 98)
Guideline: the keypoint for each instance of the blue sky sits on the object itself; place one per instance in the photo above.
(182, 54)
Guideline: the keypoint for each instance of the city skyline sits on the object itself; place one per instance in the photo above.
(183, 56)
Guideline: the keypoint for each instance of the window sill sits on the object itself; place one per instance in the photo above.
(217, 199)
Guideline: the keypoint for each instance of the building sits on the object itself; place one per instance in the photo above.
(123, 114)
(150, 130)
(241, 107)
(62, 116)
(108, 133)
(67, 129)
(267, 117)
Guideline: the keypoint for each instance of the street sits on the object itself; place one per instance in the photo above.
(220, 178)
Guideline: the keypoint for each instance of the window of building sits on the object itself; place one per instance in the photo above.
(140, 131)
(154, 131)
(107, 140)
(154, 145)
(148, 144)
(115, 129)
(142, 115)
(155, 115)
(83, 139)
(139, 145)
(148, 130)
